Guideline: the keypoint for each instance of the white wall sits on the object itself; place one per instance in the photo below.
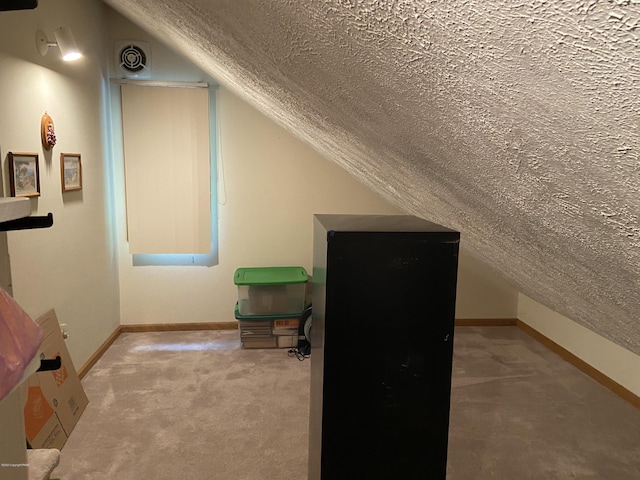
(615, 362)
(273, 184)
(71, 266)
(482, 292)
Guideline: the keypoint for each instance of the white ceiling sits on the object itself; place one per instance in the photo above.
(516, 123)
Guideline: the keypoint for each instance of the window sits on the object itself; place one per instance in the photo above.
(168, 173)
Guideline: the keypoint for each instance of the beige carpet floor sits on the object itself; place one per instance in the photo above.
(194, 405)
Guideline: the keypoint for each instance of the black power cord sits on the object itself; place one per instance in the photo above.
(303, 350)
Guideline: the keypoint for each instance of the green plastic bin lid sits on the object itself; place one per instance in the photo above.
(270, 276)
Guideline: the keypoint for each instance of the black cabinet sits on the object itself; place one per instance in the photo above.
(384, 292)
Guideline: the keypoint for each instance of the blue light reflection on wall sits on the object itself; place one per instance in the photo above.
(108, 145)
(205, 259)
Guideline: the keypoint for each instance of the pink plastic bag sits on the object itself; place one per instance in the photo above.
(20, 338)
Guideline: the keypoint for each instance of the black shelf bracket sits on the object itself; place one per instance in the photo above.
(27, 223)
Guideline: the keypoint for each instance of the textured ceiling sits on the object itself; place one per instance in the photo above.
(515, 122)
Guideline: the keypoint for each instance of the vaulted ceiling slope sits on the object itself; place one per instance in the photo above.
(515, 122)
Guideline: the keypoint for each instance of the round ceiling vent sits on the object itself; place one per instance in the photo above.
(133, 59)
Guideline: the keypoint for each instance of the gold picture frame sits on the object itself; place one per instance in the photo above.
(71, 171)
(24, 174)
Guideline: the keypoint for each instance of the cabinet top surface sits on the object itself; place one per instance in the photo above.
(381, 223)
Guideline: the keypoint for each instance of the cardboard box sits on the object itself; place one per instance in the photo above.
(286, 326)
(42, 427)
(53, 400)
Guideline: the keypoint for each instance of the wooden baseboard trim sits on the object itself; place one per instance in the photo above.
(168, 327)
(581, 365)
(486, 322)
(178, 327)
(96, 356)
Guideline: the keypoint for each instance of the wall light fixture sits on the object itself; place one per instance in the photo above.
(64, 41)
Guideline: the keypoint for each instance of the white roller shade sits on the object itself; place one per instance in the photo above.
(167, 169)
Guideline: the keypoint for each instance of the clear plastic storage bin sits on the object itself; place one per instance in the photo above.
(271, 290)
(268, 331)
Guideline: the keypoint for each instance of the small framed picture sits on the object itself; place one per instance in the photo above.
(71, 171)
(24, 174)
